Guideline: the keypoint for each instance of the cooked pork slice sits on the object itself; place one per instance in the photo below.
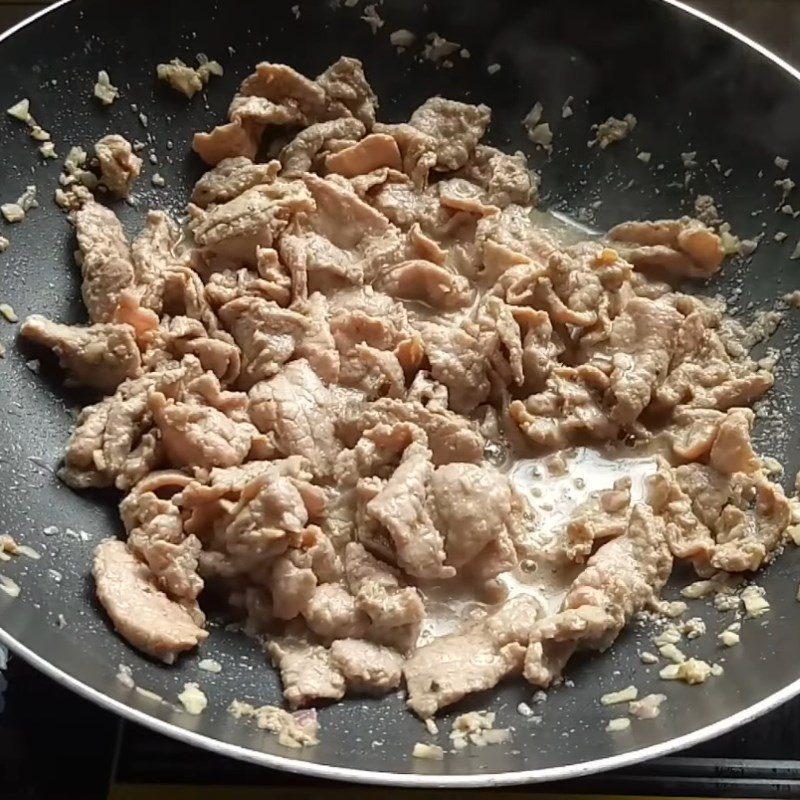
(307, 672)
(283, 85)
(199, 435)
(100, 356)
(624, 576)
(642, 341)
(732, 450)
(401, 508)
(313, 143)
(105, 260)
(119, 165)
(237, 139)
(345, 85)
(112, 437)
(233, 231)
(456, 127)
(266, 333)
(504, 178)
(451, 437)
(153, 252)
(296, 406)
(453, 666)
(230, 178)
(605, 516)
(331, 613)
(684, 247)
(568, 411)
(427, 283)
(138, 609)
(293, 585)
(458, 362)
(373, 152)
(368, 668)
(473, 505)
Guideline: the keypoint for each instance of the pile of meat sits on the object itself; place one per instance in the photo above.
(312, 393)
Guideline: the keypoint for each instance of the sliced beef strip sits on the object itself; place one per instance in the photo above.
(139, 610)
(568, 411)
(237, 139)
(300, 155)
(474, 506)
(458, 361)
(451, 437)
(296, 406)
(685, 247)
(119, 165)
(504, 178)
(401, 508)
(456, 128)
(154, 252)
(425, 282)
(376, 151)
(230, 178)
(231, 232)
(105, 260)
(624, 576)
(344, 83)
(100, 356)
(451, 667)
(307, 672)
(641, 345)
(112, 437)
(368, 668)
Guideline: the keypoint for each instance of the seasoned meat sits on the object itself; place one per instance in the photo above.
(101, 356)
(139, 610)
(299, 156)
(230, 178)
(368, 668)
(296, 406)
(119, 166)
(105, 260)
(307, 672)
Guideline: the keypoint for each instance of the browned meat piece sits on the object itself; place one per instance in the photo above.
(312, 143)
(739, 520)
(283, 85)
(230, 178)
(111, 442)
(691, 433)
(450, 437)
(271, 282)
(371, 153)
(293, 585)
(101, 355)
(307, 672)
(401, 508)
(504, 178)
(139, 610)
(568, 411)
(458, 194)
(605, 516)
(624, 576)
(156, 536)
(475, 507)
(105, 260)
(511, 238)
(296, 406)
(368, 668)
(456, 128)
(233, 231)
(731, 450)
(683, 247)
(427, 283)
(153, 253)
(198, 435)
(331, 613)
(266, 333)
(458, 362)
(704, 375)
(641, 345)
(451, 667)
(232, 140)
(119, 166)
(345, 85)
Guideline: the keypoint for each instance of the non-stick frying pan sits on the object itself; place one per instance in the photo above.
(694, 88)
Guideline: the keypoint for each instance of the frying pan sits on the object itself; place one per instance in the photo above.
(694, 85)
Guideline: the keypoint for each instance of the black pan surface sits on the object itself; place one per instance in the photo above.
(693, 87)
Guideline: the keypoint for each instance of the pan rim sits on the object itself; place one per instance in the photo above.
(401, 779)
